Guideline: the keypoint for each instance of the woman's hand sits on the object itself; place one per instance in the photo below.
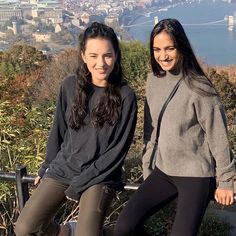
(37, 180)
(224, 196)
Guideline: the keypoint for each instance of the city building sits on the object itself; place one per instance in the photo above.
(58, 28)
(53, 15)
(7, 13)
(42, 37)
(9, 2)
(15, 28)
(85, 18)
(112, 20)
(46, 3)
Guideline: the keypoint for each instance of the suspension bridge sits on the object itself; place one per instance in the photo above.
(153, 22)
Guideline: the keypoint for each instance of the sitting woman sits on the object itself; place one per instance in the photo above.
(92, 131)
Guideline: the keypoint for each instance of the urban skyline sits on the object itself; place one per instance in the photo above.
(54, 24)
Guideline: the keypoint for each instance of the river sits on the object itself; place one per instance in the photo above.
(205, 24)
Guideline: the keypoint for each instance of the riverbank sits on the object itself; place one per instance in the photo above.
(134, 15)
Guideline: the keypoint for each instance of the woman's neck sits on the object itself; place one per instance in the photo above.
(174, 75)
(99, 83)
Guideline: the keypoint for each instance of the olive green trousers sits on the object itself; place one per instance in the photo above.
(37, 217)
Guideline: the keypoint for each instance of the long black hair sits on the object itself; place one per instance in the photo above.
(188, 63)
(107, 109)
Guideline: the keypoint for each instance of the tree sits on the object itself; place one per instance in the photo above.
(227, 93)
(63, 37)
(135, 61)
(61, 65)
(21, 59)
(9, 34)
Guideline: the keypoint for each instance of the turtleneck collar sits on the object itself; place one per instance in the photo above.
(174, 75)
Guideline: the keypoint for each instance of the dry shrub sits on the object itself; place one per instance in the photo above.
(61, 65)
(229, 70)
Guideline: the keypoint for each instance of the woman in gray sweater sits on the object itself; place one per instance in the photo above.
(193, 161)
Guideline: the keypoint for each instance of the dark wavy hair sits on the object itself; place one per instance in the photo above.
(188, 63)
(107, 109)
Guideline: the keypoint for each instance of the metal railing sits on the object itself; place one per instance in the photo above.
(22, 180)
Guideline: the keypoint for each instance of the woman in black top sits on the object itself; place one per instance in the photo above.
(92, 131)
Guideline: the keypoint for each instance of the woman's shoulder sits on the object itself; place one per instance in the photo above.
(67, 87)
(152, 82)
(151, 77)
(204, 85)
(69, 81)
(126, 90)
(204, 93)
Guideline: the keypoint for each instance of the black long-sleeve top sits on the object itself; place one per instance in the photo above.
(90, 155)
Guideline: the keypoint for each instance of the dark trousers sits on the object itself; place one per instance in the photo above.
(157, 191)
(37, 216)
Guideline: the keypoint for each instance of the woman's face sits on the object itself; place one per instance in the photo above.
(165, 52)
(100, 57)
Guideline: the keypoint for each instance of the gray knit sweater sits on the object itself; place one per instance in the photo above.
(193, 135)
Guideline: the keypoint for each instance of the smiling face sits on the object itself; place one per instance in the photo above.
(99, 55)
(165, 52)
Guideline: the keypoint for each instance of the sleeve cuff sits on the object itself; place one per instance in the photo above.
(226, 185)
(42, 171)
(70, 193)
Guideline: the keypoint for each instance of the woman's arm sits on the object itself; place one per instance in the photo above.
(212, 118)
(148, 146)
(57, 132)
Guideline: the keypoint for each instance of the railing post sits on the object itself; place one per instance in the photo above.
(21, 187)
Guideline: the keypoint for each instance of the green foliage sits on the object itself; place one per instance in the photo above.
(8, 70)
(20, 59)
(4, 192)
(227, 93)
(161, 223)
(135, 58)
(226, 90)
(8, 211)
(135, 61)
(214, 225)
(63, 37)
(23, 132)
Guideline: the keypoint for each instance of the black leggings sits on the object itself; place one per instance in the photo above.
(158, 190)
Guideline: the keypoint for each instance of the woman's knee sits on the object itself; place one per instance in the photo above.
(22, 228)
(123, 228)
